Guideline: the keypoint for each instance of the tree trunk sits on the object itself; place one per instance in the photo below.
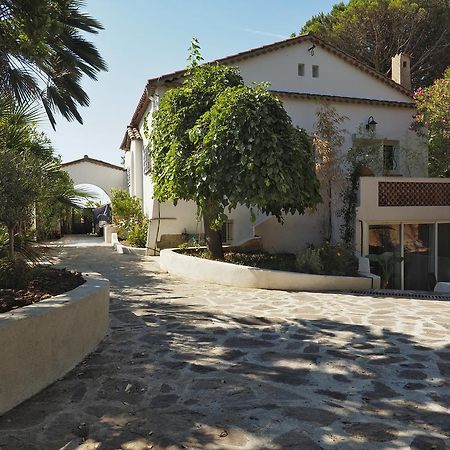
(213, 239)
(12, 254)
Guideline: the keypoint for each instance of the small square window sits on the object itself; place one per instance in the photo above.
(315, 71)
(301, 70)
(405, 64)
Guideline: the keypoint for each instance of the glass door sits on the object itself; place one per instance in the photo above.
(444, 252)
(419, 256)
(385, 254)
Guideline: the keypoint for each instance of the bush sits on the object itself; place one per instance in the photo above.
(339, 259)
(137, 236)
(310, 261)
(14, 274)
(127, 214)
(329, 260)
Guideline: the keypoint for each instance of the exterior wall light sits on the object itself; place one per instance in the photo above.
(371, 124)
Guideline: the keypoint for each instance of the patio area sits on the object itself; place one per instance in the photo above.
(196, 366)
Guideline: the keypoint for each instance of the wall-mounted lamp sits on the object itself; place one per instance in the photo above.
(311, 49)
(371, 124)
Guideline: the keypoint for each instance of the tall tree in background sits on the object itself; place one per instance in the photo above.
(43, 54)
(433, 122)
(375, 30)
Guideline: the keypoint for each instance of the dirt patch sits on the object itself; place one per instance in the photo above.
(45, 283)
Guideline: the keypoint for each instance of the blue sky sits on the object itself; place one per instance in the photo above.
(146, 38)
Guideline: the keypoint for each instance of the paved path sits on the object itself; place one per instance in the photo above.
(196, 366)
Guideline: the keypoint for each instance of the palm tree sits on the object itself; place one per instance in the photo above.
(43, 54)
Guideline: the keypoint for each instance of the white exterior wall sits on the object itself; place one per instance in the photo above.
(85, 172)
(336, 77)
(393, 125)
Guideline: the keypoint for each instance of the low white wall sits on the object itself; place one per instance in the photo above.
(40, 343)
(123, 249)
(108, 230)
(251, 277)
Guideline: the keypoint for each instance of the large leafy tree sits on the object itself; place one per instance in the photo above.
(44, 54)
(220, 143)
(375, 30)
(433, 121)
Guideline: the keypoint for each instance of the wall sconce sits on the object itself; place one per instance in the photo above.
(371, 124)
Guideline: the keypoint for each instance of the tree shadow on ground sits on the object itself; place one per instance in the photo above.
(173, 376)
(177, 377)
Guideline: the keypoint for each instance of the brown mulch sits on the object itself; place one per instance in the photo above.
(46, 283)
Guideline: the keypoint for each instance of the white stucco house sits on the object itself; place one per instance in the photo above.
(402, 211)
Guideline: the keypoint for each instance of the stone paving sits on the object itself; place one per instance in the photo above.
(197, 366)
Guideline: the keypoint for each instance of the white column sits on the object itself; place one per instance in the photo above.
(138, 169)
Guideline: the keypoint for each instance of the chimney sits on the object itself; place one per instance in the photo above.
(401, 70)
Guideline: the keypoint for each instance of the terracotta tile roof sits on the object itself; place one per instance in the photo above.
(93, 161)
(337, 98)
(177, 75)
(132, 134)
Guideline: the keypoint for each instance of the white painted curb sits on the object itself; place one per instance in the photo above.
(40, 343)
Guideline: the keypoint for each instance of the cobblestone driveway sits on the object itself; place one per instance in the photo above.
(211, 367)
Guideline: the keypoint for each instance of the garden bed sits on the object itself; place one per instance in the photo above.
(44, 283)
(43, 341)
(260, 259)
(205, 270)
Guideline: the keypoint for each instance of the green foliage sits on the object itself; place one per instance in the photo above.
(124, 206)
(44, 53)
(433, 121)
(220, 143)
(127, 214)
(137, 234)
(14, 274)
(30, 174)
(310, 261)
(262, 260)
(329, 260)
(375, 30)
(387, 262)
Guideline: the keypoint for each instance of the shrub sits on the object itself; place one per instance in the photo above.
(137, 235)
(339, 259)
(128, 216)
(329, 260)
(14, 274)
(310, 261)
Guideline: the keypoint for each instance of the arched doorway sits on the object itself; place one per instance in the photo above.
(94, 211)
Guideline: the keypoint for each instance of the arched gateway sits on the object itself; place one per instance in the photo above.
(97, 178)
(97, 173)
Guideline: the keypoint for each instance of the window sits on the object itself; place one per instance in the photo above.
(315, 71)
(226, 232)
(301, 70)
(128, 177)
(147, 160)
(389, 158)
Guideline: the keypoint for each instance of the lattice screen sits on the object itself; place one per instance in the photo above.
(392, 193)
